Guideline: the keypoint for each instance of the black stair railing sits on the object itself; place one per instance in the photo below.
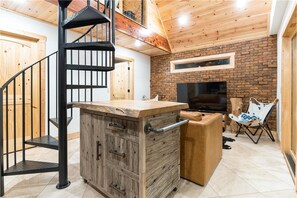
(19, 98)
(88, 59)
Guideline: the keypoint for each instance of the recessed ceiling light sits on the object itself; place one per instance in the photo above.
(146, 32)
(137, 43)
(183, 20)
(241, 4)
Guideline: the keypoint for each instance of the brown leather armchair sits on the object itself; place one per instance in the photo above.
(201, 146)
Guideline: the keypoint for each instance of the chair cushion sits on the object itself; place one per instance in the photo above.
(245, 117)
(195, 116)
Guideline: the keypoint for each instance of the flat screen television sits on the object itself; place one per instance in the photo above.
(205, 97)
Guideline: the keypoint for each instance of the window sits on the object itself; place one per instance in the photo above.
(213, 62)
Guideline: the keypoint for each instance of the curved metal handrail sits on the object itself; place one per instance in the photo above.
(87, 32)
(23, 70)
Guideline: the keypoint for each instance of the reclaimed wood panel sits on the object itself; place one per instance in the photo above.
(98, 150)
(122, 152)
(162, 176)
(86, 145)
(132, 108)
(120, 185)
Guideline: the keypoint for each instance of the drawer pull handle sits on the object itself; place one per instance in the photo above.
(115, 187)
(98, 145)
(117, 125)
(148, 127)
(115, 152)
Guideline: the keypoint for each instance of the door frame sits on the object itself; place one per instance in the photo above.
(40, 41)
(286, 94)
(131, 64)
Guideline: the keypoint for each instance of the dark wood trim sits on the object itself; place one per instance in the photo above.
(125, 25)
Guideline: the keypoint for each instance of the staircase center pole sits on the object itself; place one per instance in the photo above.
(62, 101)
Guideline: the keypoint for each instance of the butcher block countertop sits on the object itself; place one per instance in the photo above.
(132, 108)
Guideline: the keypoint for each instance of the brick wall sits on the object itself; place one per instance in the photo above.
(254, 74)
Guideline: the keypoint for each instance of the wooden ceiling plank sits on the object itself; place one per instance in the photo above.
(225, 25)
(222, 15)
(212, 22)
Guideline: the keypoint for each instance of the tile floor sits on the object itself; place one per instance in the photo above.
(246, 171)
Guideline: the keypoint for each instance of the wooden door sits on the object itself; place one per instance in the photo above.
(294, 96)
(17, 52)
(121, 86)
(289, 95)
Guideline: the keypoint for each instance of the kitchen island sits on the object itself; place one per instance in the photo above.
(131, 148)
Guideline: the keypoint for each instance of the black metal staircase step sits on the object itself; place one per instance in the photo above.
(85, 86)
(89, 68)
(86, 16)
(65, 3)
(28, 167)
(69, 105)
(55, 121)
(44, 141)
(100, 46)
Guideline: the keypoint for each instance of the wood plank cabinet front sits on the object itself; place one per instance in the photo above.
(91, 148)
(122, 161)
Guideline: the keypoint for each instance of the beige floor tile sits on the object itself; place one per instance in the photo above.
(226, 183)
(281, 194)
(75, 190)
(29, 180)
(92, 193)
(24, 192)
(262, 180)
(253, 195)
(188, 189)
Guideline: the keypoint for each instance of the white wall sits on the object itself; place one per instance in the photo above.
(278, 9)
(141, 61)
(288, 13)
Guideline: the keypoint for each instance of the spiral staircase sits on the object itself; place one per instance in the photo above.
(73, 73)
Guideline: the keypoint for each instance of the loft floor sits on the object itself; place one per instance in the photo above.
(246, 171)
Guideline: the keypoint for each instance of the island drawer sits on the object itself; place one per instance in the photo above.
(122, 152)
(122, 126)
(120, 185)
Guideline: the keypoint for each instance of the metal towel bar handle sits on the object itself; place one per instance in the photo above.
(148, 127)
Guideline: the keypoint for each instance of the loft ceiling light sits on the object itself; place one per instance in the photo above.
(183, 20)
(146, 32)
(137, 43)
(241, 4)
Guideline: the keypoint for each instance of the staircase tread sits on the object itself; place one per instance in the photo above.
(100, 45)
(85, 17)
(44, 141)
(55, 121)
(28, 167)
(88, 67)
